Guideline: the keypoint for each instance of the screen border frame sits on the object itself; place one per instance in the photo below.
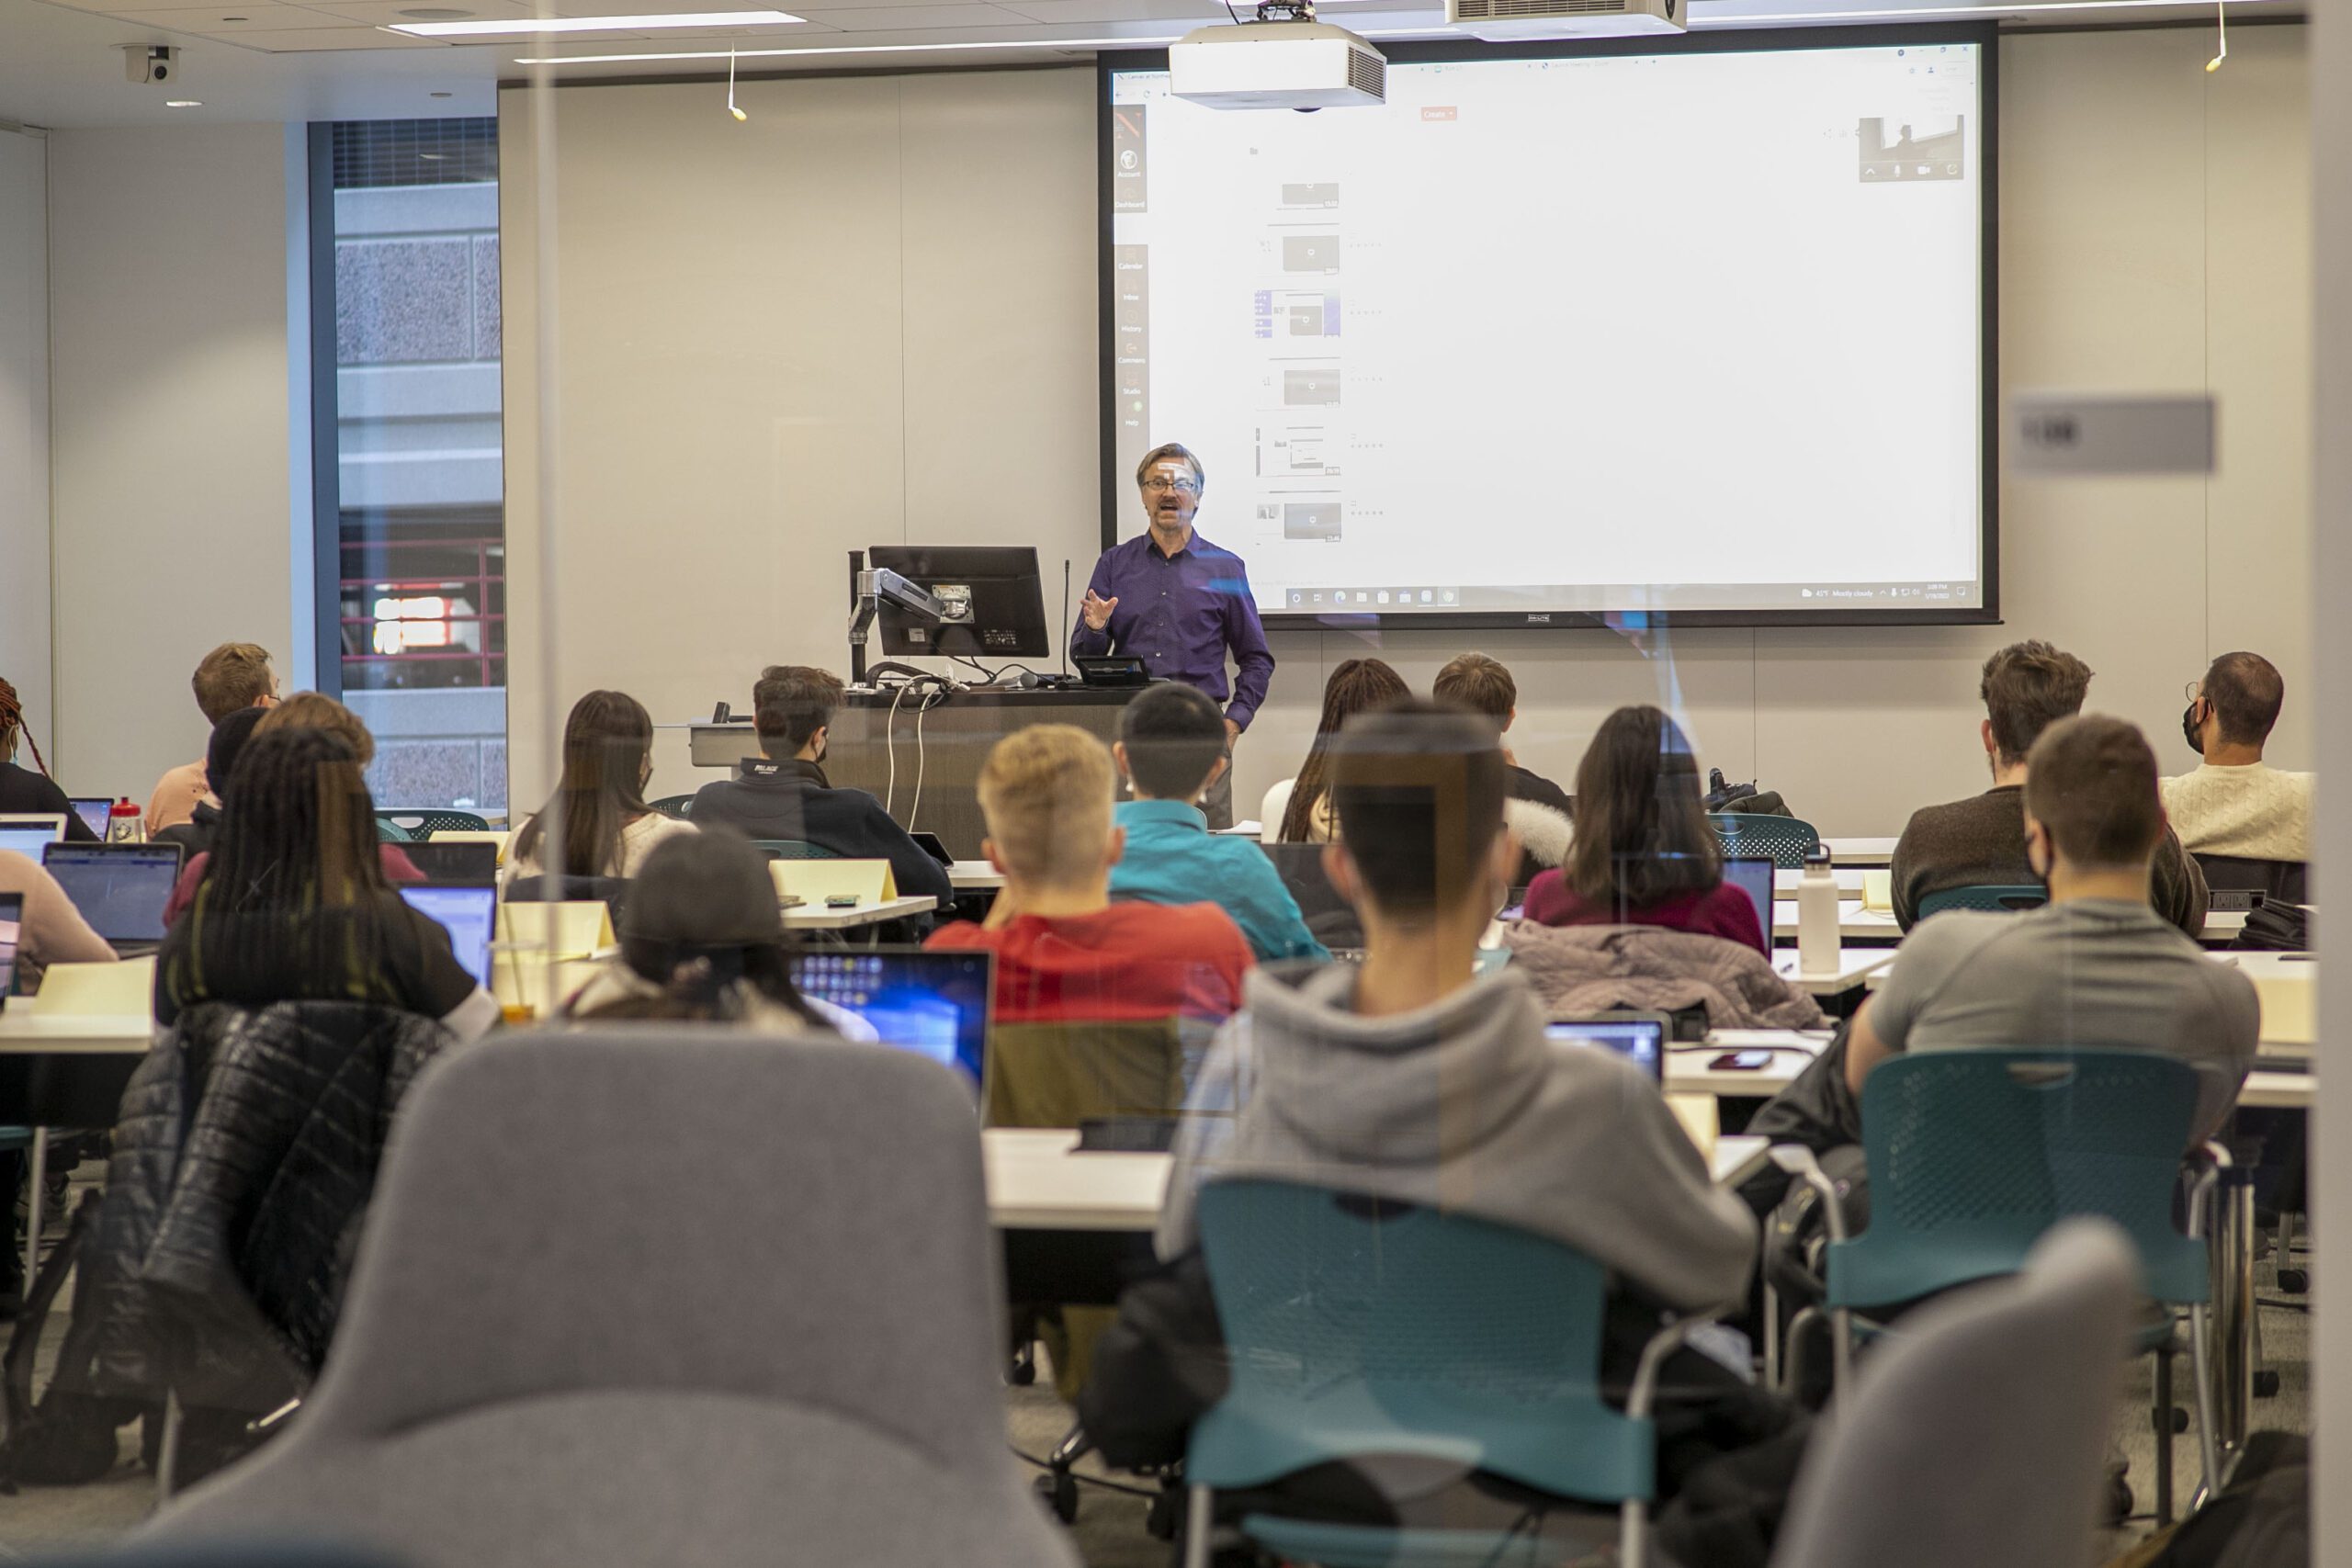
(1985, 35)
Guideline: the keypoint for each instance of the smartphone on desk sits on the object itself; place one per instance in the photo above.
(1740, 1062)
(841, 900)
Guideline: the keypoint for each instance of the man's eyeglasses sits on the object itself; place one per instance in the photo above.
(1161, 481)
(2194, 690)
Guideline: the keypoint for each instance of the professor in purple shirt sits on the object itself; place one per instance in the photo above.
(1179, 602)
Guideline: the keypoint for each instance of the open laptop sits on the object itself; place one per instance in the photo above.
(121, 889)
(29, 834)
(93, 810)
(1639, 1037)
(454, 863)
(468, 913)
(1752, 874)
(12, 926)
(934, 1002)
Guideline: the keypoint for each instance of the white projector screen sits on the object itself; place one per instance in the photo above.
(1697, 329)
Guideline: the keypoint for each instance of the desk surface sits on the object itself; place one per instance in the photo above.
(21, 1030)
(1860, 851)
(974, 876)
(1038, 1180)
(817, 918)
(1855, 966)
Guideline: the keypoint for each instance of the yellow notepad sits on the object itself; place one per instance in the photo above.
(1878, 891)
(97, 991)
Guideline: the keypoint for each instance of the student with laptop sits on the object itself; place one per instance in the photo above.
(298, 906)
(1171, 747)
(1539, 811)
(608, 829)
(24, 790)
(54, 931)
(702, 937)
(784, 794)
(233, 675)
(1412, 1077)
(2234, 803)
(2095, 969)
(1979, 841)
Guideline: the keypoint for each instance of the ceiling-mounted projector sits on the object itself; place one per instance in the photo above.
(1284, 60)
(1502, 21)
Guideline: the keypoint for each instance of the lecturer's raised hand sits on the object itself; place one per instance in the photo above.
(1097, 610)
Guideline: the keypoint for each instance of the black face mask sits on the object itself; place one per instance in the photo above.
(2188, 730)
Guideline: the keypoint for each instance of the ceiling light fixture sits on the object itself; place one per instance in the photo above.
(182, 102)
(2024, 6)
(493, 27)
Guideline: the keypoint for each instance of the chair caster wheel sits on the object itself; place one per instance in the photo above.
(2119, 1500)
(1021, 1375)
(2294, 1282)
(2266, 1384)
(1057, 1489)
(2179, 1419)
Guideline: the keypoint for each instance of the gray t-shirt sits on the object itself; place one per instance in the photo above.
(2094, 972)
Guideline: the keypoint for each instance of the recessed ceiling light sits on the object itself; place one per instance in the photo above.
(182, 102)
(490, 27)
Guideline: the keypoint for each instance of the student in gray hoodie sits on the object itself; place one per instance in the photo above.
(1411, 1076)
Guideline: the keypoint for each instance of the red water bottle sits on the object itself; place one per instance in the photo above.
(124, 824)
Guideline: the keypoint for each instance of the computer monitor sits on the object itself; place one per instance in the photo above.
(29, 834)
(121, 889)
(469, 914)
(1752, 874)
(93, 810)
(995, 598)
(454, 864)
(931, 1001)
(12, 916)
(1640, 1038)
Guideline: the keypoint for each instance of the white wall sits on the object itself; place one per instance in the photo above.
(171, 426)
(869, 315)
(24, 426)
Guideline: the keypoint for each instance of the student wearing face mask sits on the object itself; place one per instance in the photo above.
(785, 794)
(600, 802)
(2235, 803)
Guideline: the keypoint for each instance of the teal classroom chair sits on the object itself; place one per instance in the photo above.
(678, 808)
(1994, 897)
(1359, 1326)
(1787, 840)
(391, 833)
(793, 849)
(1973, 1156)
(422, 823)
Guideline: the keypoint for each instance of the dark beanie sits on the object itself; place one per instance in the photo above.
(229, 738)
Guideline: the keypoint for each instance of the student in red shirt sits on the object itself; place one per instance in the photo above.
(1644, 854)
(1065, 952)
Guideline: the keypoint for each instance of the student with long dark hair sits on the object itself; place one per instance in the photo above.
(608, 829)
(1644, 854)
(703, 937)
(26, 789)
(294, 905)
(1299, 809)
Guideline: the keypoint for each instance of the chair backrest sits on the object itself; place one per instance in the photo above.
(391, 833)
(1993, 898)
(1788, 840)
(1330, 918)
(423, 822)
(679, 806)
(1056, 1075)
(843, 1262)
(2284, 881)
(610, 891)
(793, 849)
(1973, 1156)
(1361, 1326)
(1978, 1435)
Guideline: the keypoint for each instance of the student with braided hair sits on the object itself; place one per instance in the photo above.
(25, 789)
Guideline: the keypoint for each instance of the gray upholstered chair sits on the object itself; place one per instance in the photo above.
(666, 1295)
(1977, 1433)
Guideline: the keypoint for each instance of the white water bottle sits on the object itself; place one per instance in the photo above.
(1818, 914)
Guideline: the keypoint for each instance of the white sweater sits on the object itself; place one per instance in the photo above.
(2254, 811)
(638, 840)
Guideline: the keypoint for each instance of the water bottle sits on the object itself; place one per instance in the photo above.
(1818, 914)
(125, 824)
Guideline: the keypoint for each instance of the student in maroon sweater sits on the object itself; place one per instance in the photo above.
(1644, 854)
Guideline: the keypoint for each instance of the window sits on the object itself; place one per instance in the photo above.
(419, 643)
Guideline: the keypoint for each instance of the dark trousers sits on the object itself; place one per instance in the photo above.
(1217, 805)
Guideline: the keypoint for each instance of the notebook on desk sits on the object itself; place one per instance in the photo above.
(121, 889)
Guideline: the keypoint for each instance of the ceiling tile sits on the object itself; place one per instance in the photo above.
(384, 13)
(308, 41)
(889, 18)
(212, 20)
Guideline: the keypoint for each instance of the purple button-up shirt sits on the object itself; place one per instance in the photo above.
(1180, 615)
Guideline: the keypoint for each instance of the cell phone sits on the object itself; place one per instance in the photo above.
(841, 900)
(789, 900)
(1740, 1062)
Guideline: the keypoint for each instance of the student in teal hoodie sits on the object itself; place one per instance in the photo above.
(1171, 749)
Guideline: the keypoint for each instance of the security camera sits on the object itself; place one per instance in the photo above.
(150, 64)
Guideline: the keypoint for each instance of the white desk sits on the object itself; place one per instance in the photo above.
(1855, 965)
(974, 877)
(816, 917)
(1860, 851)
(1038, 1180)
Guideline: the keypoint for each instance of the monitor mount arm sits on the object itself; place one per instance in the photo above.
(868, 588)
